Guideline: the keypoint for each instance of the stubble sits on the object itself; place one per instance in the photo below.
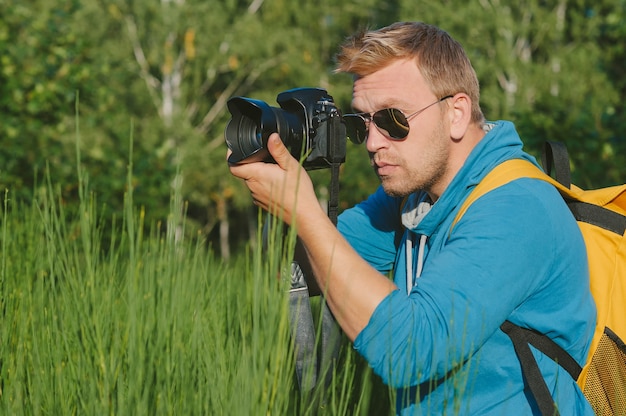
(418, 172)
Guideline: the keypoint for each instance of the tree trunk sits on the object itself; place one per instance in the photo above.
(222, 215)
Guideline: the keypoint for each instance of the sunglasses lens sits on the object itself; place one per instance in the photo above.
(355, 128)
(392, 122)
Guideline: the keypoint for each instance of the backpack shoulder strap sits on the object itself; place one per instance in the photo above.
(502, 174)
(530, 369)
(556, 158)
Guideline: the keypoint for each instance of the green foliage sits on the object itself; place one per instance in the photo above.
(37, 79)
(115, 304)
(161, 73)
(544, 66)
(148, 324)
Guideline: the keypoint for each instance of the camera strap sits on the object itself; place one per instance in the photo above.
(333, 200)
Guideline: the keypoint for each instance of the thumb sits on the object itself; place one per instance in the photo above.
(278, 150)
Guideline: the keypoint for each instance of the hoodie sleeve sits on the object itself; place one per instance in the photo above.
(371, 228)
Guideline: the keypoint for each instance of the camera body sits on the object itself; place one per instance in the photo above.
(308, 122)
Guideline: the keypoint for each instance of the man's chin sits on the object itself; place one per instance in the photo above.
(393, 191)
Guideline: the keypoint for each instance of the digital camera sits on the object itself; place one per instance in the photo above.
(308, 122)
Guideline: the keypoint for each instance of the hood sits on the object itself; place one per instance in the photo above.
(501, 143)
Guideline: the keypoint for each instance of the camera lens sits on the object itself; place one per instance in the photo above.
(252, 123)
(244, 138)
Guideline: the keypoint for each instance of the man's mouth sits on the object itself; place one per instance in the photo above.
(383, 168)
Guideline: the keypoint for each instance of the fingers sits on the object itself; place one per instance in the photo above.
(275, 187)
(279, 151)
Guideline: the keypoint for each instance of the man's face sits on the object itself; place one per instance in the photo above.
(419, 161)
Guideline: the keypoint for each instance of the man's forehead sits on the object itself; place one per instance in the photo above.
(371, 93)
(396, 85)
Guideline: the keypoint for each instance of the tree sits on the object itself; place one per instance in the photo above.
(190, 83)
(43, 61)
(544, 66)
(159, 74)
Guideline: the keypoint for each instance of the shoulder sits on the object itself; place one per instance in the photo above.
(379, 211)
(526, 215)
(522, 200)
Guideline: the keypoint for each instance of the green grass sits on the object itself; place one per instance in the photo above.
(136, 321)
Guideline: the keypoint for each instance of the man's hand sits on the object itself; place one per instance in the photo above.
(284, 189)
(352, 287)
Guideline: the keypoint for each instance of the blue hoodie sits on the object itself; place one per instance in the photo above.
(516, 254)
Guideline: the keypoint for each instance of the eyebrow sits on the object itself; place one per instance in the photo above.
(385, 104)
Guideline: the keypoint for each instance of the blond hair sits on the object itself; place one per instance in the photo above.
(441, 60)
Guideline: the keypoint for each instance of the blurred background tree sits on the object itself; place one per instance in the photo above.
(552, 67)
(157, 74)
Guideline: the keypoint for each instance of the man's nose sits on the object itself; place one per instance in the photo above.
(375, 140)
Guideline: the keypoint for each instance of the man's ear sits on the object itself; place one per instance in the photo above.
(460, 116)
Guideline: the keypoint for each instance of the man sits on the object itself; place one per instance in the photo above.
(433, 333)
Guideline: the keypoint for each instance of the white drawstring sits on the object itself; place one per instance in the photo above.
(420, 256)
(409, 260)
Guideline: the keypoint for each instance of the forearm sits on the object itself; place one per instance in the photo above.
(353, 289)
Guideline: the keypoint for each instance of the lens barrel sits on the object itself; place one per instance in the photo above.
(252, 122)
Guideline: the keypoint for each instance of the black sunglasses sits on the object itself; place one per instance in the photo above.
(390, 121)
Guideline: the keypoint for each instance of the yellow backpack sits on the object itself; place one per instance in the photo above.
(601, 216)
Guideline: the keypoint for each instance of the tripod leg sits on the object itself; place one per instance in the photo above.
(331, 339)
(302, 330)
